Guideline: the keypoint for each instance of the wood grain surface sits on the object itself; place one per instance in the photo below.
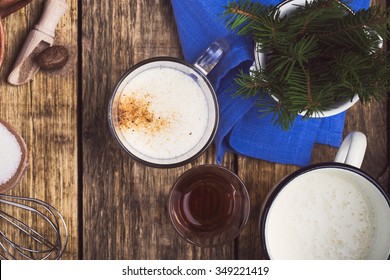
(44, 111)
(115, 207)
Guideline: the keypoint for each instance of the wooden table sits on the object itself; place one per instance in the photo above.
(115, 208)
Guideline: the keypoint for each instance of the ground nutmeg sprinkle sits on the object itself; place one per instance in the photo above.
(135, 113)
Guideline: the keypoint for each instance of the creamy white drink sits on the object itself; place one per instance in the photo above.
(328, 214)
(163, 113)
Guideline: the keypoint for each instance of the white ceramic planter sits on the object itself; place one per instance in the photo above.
(286, 7)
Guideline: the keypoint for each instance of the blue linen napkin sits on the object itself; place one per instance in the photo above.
(241, 130)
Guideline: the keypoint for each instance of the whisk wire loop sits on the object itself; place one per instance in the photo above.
(23, 241)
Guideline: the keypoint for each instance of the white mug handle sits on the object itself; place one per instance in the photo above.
(352, 149)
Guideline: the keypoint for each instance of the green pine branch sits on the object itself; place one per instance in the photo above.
(318, 54)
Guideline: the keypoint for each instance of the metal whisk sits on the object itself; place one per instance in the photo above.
(45, 237)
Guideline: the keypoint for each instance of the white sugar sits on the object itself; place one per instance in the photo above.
(10, 154)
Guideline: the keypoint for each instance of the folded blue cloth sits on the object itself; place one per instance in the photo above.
(241, 130)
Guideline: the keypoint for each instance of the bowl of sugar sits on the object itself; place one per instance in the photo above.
(13, 157)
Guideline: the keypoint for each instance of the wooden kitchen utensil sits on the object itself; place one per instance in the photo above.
(39, 38)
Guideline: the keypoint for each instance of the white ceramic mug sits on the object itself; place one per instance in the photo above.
(328, 211)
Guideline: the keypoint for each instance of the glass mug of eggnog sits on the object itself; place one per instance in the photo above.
(164, 111)
(328, 211)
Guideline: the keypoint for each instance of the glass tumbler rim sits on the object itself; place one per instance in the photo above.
(210, 167)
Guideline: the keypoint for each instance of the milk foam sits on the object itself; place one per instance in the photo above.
(321, 215)
(178, 106)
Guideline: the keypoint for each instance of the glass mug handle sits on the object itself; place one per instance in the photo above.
(352, 149)
(206, 62)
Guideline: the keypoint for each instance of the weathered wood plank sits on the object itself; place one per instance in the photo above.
(45, 113)
(125, 203)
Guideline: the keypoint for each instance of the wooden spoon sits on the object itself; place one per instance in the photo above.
(4, 187)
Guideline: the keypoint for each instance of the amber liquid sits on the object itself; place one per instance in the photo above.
(207, 202)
